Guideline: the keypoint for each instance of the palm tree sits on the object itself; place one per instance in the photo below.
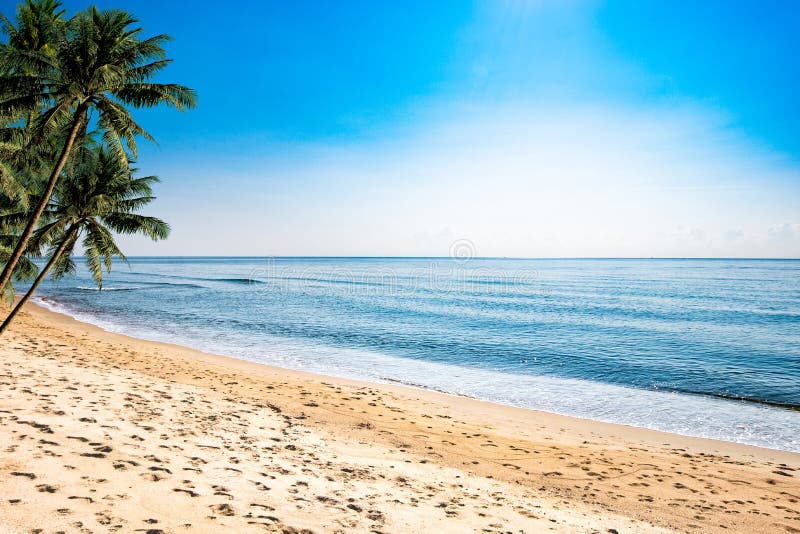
(98, 197)
(14, 206)
(101, 66)
(25, 269)
(39, 23)
(14, 214)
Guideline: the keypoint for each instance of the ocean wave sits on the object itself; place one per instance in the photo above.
(655, 346)
(172, 284)
(145, 285)
(89, 288)
(199, 279)
(247, 281)
(696, 415)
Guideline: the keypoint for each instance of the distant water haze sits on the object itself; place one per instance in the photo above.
(699, 347)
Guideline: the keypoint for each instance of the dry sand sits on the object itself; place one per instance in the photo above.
(101, 432)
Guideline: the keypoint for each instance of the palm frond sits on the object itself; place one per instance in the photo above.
(58, 78)
(131, 223)
(153, 94)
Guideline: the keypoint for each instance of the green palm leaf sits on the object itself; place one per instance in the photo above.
(63, 77)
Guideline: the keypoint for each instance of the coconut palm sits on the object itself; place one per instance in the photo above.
(11, 184)
(15, 210)
(39, 23)
(24, 271)
(15, 186)
(102, 66)
(38, 27)
(96, 197)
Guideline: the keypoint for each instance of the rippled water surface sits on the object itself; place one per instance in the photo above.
(665, 344)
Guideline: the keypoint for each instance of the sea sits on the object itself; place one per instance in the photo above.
(699, 347)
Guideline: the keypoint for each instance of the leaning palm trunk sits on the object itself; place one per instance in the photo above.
(8, 270)
(39, 279)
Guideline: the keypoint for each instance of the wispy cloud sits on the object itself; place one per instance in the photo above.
(555, 179)
(784, 231)
(543, 142)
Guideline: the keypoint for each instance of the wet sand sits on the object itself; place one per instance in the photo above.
(101, 432)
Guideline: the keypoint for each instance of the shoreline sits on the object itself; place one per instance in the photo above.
(390, 382)
(423, 458)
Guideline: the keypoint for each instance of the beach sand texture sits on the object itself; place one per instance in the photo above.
(101, 432)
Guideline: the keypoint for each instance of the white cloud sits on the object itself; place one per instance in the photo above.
(784, 231)
(517, 180)
(734, 234)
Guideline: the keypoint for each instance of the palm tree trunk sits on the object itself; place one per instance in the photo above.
(39, 279)
(8, 270)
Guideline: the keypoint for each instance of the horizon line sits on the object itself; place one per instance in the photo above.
(729, 258)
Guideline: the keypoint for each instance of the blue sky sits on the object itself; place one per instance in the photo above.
(531, 128)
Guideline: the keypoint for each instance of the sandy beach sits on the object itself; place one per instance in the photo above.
(103, 432)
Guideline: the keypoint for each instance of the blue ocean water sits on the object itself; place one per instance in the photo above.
(706, 348)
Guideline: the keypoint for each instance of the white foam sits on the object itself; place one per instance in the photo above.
(690, 415)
